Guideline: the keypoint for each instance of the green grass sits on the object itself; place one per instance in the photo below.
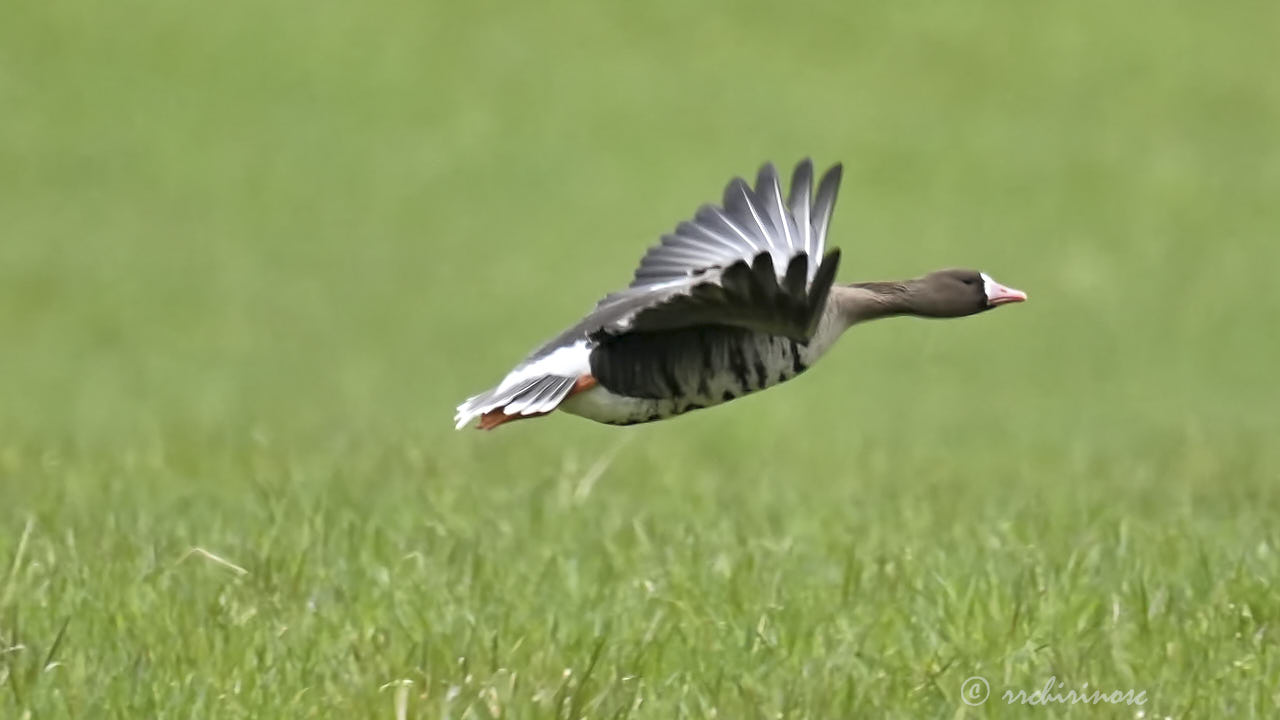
(253, 253)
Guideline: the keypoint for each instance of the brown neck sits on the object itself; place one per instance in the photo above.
(865, 301)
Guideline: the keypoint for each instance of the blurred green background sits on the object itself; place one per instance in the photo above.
(253, 253)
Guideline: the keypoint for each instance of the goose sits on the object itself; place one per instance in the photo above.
(738, 299)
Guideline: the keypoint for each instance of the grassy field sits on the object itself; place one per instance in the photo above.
(253, 253)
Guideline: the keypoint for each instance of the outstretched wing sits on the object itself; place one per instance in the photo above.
(752, 262)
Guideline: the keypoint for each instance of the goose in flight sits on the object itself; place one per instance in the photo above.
(736, 300)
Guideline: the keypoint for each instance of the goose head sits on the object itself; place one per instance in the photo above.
(957, 293)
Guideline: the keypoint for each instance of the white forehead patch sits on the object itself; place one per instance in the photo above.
(989, 287)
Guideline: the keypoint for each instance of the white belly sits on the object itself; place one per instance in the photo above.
(603, 406)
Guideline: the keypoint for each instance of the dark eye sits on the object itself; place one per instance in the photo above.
(970, 281)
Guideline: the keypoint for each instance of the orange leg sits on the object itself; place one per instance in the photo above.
(494, 418)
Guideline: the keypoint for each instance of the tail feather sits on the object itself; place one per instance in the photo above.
(537, 396)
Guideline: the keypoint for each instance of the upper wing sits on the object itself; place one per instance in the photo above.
(748, 223)
(751, 263)
(745, 294)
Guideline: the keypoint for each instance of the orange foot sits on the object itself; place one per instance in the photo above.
(494, 418)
